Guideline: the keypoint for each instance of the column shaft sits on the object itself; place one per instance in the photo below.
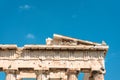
(64, 78)
(42, 76)
(98, 76)
(91, 78)
(39, 77)
(72, 75)
(86, 76)
(10, 76)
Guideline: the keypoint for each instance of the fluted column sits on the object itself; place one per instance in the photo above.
(64, 78)
(97, 75)
(41, 75)
(44, 76)
(86, 76)
(10, 75)
(72, 75)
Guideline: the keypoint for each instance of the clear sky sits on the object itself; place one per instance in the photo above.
(32, 21)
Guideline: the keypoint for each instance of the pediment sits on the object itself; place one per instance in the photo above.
(64, 40)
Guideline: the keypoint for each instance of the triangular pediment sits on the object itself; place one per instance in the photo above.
(64, 40)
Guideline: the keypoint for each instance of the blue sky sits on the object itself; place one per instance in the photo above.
(32, 21)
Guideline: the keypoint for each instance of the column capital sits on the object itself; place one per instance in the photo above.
(101, 71)
(72, 74)
(71, 70)
(37, 72)
(41, 71)
(97, 75)
(11, 71)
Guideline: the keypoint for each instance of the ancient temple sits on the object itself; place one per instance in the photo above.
(62, 58)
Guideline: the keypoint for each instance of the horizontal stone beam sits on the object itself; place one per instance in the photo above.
(26, 75)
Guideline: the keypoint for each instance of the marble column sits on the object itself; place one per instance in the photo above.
(42, 75)
(98, 76)
(63, 78)
(10, 75)
(39, 77)
(72, 75)
(86, 76)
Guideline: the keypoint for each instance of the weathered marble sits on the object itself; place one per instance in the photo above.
(60, 59)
